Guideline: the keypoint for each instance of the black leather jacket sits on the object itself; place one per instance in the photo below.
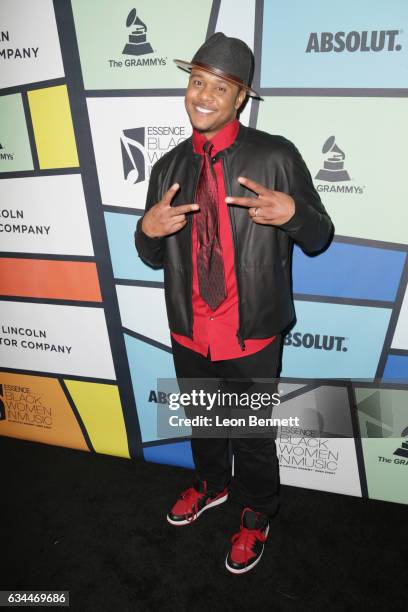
(263, 253)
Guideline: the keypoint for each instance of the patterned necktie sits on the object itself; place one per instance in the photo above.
(210, 265)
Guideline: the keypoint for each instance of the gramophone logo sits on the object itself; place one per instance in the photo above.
(2, 406)
(402, 451)
(333, 166)
(134, 155)
(138, 44)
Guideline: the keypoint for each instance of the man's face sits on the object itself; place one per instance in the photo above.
(211, 102)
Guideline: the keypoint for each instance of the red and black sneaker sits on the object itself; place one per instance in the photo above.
(193, 501)
(248, 544)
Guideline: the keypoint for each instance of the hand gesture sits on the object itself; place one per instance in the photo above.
(269, 208)
(162, 219)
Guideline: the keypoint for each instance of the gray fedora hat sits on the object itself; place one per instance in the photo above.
(229, 58)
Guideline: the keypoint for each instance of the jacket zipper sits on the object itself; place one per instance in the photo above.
(191, 249)
(236, 259)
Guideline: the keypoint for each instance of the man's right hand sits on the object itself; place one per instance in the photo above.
(163, 219)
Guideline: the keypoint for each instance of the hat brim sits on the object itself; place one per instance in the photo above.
(227, 77)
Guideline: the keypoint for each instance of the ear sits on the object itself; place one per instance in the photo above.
(240, 98)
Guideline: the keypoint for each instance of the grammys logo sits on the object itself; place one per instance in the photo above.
(402, 451)
(137, 46)
(333, 165)
(142, 146)
(376, 422)
(334, 171)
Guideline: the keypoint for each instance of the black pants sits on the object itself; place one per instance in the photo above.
(256, 467)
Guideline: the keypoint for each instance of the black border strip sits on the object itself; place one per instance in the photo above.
(399, 385)
(72, 66)
(369, 242)
(258, 20)
(48, 256)
(165, 441)
(212, 21)
(133, 93)
(357, 440)
(146, 340)
(393, 321)
(399, 352)
(40, 172)
(30, 132)
(59, 375)
(349, 301)
(77, 415)
(123, 210)
(41, 300)
(334, 92)
(25, 87)
(379, 384)
(139, 283)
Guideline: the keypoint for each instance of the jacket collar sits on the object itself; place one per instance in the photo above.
(222, 139)
(239, 140)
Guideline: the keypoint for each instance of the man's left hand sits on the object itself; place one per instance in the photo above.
(269, 208)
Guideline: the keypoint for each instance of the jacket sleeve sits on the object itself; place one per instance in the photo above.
(310, 227)
(150, 250)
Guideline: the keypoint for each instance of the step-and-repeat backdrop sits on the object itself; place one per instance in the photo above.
(90, 98)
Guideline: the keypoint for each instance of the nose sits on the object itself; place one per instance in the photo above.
(206, 94)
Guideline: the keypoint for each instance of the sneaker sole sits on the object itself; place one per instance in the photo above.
(217, 502)
(247, 567)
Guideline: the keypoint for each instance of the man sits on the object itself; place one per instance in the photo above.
(223, 210)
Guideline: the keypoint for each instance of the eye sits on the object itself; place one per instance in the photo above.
(197, 82)
(221, 88)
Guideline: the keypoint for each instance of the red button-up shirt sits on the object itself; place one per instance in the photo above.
(215, 331)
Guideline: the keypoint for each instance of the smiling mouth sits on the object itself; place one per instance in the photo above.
(204, 111)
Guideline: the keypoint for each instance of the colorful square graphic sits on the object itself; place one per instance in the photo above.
(335, 341)
(349, 271)
(125, 259)
(15, 152)
(383, 418)
(53, 129)
(129, 135)
(400, 339)
(147, 364)
(55, 338)
(355, 151)
(327, 45)
(29, 44)
(123, 47)
(45, 214)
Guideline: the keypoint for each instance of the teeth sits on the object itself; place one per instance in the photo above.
(203, 110)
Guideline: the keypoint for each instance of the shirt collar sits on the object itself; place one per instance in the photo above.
(222, 140)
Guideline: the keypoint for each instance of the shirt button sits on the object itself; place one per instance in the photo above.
(214, 159)
(211, 318)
